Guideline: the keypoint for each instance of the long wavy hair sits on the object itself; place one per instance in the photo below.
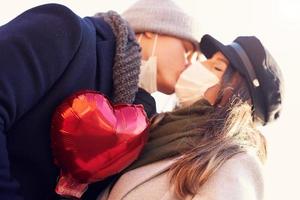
(225, 131)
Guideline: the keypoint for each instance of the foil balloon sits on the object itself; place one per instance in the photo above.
(93, 139)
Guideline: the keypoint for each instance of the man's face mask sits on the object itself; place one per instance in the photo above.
(148, 74)
(193, 83)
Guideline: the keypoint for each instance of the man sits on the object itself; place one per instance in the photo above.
(46, 54)
(168, 37)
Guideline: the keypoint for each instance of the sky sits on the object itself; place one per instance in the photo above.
(277, 24)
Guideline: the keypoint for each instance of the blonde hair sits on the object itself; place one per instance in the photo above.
(221, 134)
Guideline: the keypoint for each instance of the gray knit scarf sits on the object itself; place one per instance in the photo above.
(127, 60)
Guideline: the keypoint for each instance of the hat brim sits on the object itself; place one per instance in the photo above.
(209, 46)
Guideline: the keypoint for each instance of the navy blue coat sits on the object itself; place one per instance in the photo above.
(46, 54)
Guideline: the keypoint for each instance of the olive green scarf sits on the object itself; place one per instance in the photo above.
(172, 135)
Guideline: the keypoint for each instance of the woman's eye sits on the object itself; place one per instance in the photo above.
(218, 68)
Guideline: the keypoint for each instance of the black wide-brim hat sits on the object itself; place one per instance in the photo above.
(248, 56)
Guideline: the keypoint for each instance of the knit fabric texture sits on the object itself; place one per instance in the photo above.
(163, 17)
(127, 60)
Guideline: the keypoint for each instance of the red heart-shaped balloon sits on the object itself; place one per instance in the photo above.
(93, 139)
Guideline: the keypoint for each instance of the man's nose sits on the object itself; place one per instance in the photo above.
(188, 62)
(192, 57)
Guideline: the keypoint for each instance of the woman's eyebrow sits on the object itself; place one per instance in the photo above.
(224, 60)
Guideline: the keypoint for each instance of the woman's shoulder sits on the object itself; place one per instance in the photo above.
(135, 183)
(243, 162)
(240, 177)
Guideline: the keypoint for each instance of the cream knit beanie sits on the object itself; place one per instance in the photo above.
(163, 17)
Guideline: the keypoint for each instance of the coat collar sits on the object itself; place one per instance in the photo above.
(137, 177)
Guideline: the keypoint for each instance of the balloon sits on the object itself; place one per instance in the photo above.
(93, 139)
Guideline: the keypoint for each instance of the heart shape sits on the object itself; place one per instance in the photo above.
(93, 139)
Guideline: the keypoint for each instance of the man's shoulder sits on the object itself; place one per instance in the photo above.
(48, 25)
(53, 15)
(51, 9)
(46, 20)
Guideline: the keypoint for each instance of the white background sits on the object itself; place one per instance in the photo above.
(277, 24)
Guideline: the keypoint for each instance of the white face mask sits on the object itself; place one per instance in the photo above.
(193, 83)
(148, 74)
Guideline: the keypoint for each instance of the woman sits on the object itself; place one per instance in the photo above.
(212, 148)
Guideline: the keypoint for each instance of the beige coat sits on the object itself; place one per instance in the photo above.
(240, 178)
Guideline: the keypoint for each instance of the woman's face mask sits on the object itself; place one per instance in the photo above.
(193, 83)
